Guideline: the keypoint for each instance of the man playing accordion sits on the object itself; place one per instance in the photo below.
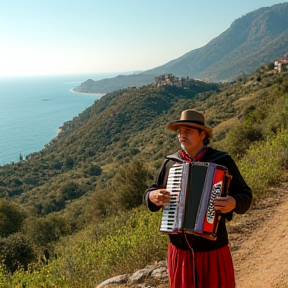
(195, 261)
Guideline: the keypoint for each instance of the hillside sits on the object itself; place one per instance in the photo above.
(76, 205)
(92, 146)
(258, 261)
(251, 41)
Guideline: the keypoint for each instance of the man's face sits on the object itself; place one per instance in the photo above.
(191, 139)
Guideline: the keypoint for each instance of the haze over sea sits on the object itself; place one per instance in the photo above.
(32, 109)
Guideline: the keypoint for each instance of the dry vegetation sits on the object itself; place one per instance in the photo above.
(77, 203)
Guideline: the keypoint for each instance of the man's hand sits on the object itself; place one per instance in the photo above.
(224, 204)
(160, 197)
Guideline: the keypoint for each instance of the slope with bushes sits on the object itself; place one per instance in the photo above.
(77, 203)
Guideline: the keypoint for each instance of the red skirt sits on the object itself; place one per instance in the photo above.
(212, 269)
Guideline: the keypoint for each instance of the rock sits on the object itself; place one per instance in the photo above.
(151, 276)
(160, 273)
(114, 281)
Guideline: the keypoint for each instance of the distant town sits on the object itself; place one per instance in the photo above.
(170, 79)
(281, 64)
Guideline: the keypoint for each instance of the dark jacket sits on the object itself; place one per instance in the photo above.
(238, 189)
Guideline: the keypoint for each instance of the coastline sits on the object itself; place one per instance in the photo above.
(18, 137)
(60, 130)
(94, 94)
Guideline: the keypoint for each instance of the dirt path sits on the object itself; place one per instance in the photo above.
(259, 242)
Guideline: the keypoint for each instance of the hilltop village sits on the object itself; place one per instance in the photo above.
(281, 65)
(170, 79)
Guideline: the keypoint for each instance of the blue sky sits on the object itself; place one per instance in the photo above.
(52, 37)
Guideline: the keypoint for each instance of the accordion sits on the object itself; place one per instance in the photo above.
(194, 187)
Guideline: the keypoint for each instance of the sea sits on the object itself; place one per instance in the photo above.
(32, 110)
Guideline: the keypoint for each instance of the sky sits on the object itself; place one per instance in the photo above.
(55, 37)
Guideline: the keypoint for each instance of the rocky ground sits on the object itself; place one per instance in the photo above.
(259, 245)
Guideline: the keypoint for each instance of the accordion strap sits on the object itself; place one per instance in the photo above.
(194, 261)
(187, 242)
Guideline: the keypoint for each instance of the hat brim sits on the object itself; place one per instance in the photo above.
(174, 126)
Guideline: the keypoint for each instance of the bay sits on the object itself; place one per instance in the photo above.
(32, 109)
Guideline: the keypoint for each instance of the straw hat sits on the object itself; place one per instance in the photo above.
(190, 118)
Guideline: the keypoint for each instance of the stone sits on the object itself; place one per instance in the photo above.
(143, 278)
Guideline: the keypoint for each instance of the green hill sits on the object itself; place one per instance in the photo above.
(71, 214)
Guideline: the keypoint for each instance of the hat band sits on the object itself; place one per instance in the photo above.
(192, 122)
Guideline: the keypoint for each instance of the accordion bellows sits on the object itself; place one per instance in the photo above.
(194, 187)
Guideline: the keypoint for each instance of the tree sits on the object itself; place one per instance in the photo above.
(11, 218)
(103, 203)
(71, 190)
(16, 251)
(270, 66)
(69, 162)
(130, 183)
(94, 170)
(45, 232)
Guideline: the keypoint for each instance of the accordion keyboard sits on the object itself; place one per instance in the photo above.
(169, 216)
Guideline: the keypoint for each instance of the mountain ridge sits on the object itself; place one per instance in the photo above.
(229, 55)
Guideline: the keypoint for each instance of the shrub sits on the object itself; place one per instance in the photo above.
(132, 240)
(71, 190)
(16, 251)
(130, 183)
(264, 162)
(11, 218)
